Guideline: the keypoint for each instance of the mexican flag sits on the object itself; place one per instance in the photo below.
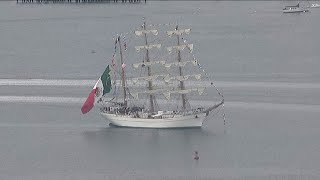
(102, 87)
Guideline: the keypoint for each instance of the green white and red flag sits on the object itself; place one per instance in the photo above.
(102, 87)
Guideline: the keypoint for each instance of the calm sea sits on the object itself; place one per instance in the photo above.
(265, 62)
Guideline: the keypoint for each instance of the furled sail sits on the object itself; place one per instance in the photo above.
(181, 78)
(167, 65)
(178, 32)
(142, 32)
(154, 91)
(138, 48)
(146, 78)
(167, 78)
(181, 64)
(136, 65)
(167, 93)
(200, 90)
(181, 47)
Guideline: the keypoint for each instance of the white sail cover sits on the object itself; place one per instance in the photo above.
(136, 65)
(181, 47)
(186, 91)
(167, 65)
(138, 48)
(178, 32)
(154, 91)
(181, 78)
(142, 32)
(167, 93)
(181, 64)
(146, 78)
(166, 78)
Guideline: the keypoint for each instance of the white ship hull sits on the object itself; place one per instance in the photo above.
(297, 10)
(174, 122)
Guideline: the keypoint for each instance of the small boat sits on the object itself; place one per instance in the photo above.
(315, 5)
(294, 9)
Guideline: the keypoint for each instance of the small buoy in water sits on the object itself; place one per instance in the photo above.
(196, 156)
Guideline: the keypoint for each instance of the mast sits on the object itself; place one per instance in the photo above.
(147, 47)
(149, 70)
(122, 75)
(184, 99)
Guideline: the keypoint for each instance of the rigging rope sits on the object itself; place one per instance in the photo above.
(220, 93)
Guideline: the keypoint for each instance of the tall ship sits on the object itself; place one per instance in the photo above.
(151, 86)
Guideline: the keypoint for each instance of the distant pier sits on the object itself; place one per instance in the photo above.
(81, 1)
